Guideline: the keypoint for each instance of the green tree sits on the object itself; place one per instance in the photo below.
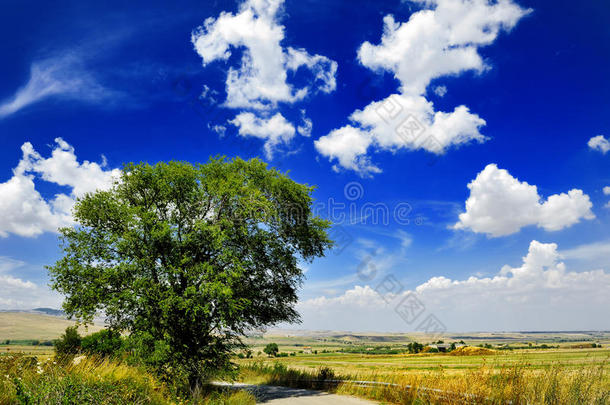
(68, 344)
(187, 258)
(271, 349)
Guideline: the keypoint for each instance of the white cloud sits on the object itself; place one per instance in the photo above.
(606, 191)
(306, 126)
(349, 146)
(499, 205)
(221, 130)
(16, 293)
(599, 143)
(261, 81)
(62, 77)
(275, 130)
(23, 210)
(418, 128)
(8, 264)
(433, 43)
(540, 294)
(440, 91)
(592, 251)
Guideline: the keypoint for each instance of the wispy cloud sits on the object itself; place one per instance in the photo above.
(61, 77)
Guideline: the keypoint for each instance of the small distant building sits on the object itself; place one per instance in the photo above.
(307, 349)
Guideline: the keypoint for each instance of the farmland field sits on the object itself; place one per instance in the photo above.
(559, 365)
(388, 367)
(566, 368)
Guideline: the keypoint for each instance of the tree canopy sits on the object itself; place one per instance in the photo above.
(271, 349)
(188, 258)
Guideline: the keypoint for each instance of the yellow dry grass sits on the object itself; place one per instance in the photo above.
(27, 326)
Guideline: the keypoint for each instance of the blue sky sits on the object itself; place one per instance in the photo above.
(467, 141)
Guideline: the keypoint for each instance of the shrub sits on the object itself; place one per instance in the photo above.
(69, 344)
(104, 343)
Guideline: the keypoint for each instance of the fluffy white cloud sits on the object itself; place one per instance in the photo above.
(59, 77)
(23, 210)
(599, 143)
(607, 190)
(436, 42)
(499, 205)
(275, 130)
(540, 294)
(398, 122)
(261, 81)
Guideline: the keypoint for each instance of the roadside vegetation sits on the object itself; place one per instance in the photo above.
(486, 384)
(25, 380)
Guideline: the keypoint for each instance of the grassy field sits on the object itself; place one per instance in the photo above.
(28, 326)
(568, 371)
(414, 364)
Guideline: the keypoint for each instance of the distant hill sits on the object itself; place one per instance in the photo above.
(51, 311)
(36, 325)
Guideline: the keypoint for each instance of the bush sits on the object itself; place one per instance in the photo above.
(104, 343)
(69, 344)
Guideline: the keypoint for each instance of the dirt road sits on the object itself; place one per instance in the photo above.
(268, 394)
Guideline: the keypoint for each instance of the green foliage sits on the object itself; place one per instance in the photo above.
(271, 349)
(415, 347)
(69, 344)
(24, 380)
(188, 258)
(103, 343)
